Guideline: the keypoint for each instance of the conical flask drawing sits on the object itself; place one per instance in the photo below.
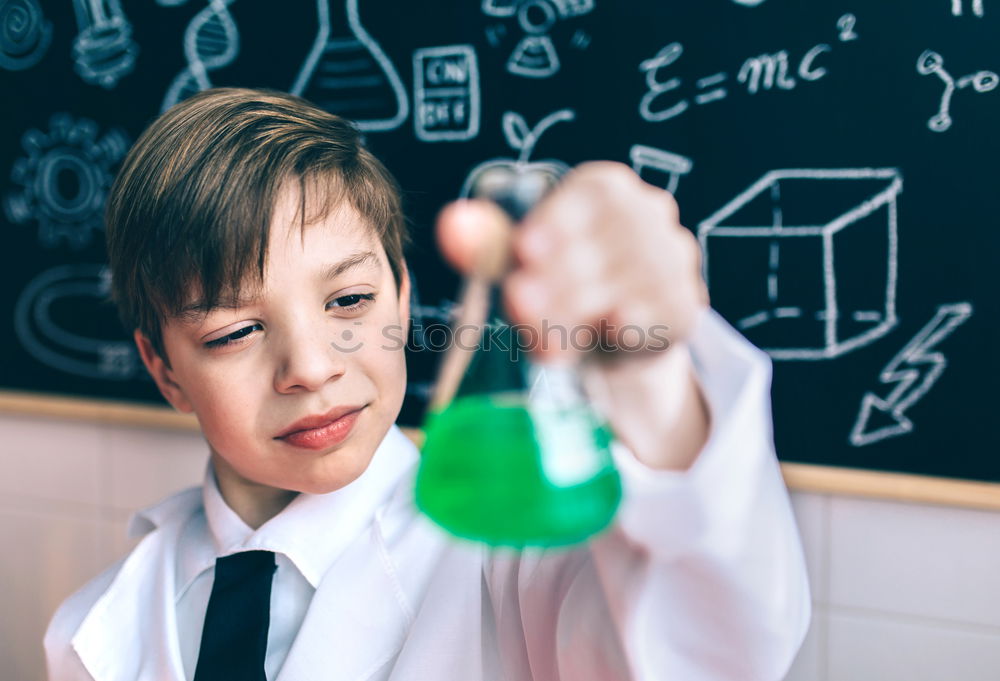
(347, 73)
(516, 456)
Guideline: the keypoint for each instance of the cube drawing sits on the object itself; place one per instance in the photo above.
(803, 262)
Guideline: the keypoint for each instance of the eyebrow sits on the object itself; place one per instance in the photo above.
(198, 309)
(351, 262)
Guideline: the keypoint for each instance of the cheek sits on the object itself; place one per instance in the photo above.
(382, 353)
(225, 405)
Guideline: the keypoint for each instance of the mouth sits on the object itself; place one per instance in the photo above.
(323, 430)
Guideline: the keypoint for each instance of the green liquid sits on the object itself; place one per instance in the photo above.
(482, 474)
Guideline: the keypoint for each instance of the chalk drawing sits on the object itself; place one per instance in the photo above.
(347, 73)
(103, 50)
(846, 25)
(648, 161)
(956, 7)
(780, 264)
(25, 35)
(523, 140)
(535, 55)
(49, 340)
(211, 41)
(446, 99)
(931, 62)
(773, 71)
(64, 179)
(655, 86)
(914, 371)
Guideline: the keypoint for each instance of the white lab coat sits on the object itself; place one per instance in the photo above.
(701, 578)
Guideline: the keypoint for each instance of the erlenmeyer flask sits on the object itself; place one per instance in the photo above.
(347, 73)
(517, 457)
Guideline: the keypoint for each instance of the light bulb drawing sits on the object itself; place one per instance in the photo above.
(103, 50)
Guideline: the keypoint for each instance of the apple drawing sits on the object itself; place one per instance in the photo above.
(530, 179)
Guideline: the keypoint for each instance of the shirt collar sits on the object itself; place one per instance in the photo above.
(314, 529)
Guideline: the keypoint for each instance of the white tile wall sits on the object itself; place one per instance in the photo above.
(51, 460)
(901, 592)
(54, 554)
(67, 489)
(873, 647)
(917, 560)
(812, 513)
(146, 464)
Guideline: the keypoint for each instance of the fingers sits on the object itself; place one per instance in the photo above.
(602, 261)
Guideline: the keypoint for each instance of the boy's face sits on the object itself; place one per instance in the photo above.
(316, 340)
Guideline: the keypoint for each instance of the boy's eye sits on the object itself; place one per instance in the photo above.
(352, 303)
(232, 337)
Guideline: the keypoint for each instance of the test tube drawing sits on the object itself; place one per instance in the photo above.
(647, 160)
(347, 73)
(25, 35)
(931, 62)
(211, 41)
(103, 50)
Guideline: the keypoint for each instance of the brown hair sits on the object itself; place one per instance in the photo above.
(190, 210)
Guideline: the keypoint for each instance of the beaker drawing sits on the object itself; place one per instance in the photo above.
(347, 73)
(648, 162)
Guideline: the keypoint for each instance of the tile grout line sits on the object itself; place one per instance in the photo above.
(915, 620)
(825, 553)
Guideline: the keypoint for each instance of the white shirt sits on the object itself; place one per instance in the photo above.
(700, 579)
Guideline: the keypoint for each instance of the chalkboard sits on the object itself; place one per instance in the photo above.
(835, 158)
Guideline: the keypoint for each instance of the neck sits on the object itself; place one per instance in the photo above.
(254, 503)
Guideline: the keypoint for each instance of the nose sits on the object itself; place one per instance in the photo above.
(310, 357)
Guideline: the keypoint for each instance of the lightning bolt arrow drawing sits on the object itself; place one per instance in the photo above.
(914, 370)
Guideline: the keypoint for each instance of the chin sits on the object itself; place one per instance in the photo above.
(331, 482)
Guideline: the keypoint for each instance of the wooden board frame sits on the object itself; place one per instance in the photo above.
(798, 476)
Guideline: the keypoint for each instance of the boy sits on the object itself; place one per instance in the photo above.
(251, 237)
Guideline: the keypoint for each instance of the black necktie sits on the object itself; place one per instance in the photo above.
(234, 639)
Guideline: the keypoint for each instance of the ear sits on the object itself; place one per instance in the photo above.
(162, 374)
